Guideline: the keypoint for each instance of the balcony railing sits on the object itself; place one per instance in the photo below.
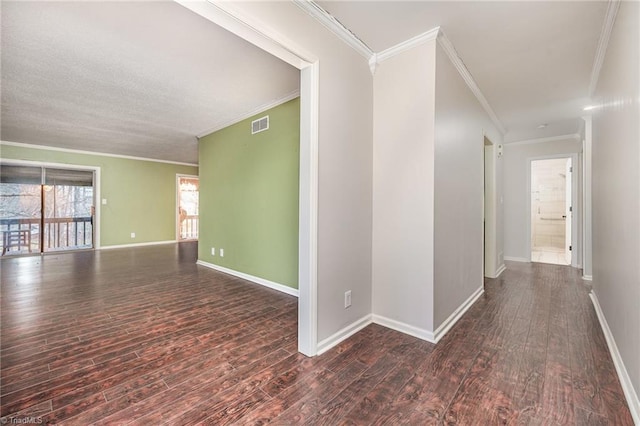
(61, 233)
(189, 228)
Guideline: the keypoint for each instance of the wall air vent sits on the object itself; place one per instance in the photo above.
(260, 125)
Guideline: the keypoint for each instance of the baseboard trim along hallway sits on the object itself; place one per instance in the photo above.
(623, 375)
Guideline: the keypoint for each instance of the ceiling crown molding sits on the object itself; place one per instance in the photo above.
(571, 136)
(95, 153)
(603, 43)
(377, 58)
(451, 52)
(335, 26)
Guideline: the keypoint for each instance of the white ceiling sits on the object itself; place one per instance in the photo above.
(146, 78)
(531, 59)
(130, 78)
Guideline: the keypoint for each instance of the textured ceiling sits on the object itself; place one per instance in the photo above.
(129, 78)
(145, 78)
(531, 59)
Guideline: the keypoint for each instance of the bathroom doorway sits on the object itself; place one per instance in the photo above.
(551, 210)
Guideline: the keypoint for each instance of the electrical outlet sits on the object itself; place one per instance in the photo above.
(133, 235)
(221, 252)
(104, 201)
(347, 299)
(213, 251)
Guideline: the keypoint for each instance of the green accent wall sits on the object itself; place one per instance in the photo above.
(249, 196)
(141, 195)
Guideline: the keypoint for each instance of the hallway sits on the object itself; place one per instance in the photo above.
(144, 335)
(553, 354)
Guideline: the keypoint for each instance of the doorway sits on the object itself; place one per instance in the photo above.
(187, 198)
(45, 209)
(225, 16)
(551, 210)
(489, 263)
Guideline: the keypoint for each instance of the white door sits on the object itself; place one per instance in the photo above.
(568, 212)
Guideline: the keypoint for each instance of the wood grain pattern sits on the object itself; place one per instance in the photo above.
(145, 336)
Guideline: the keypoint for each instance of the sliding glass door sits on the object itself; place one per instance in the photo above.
(68, 204)
(45, 209)
(20, 209)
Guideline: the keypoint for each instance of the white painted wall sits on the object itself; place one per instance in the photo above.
(516, 192)
(490, 252)
(587, 183)
(403, 182)
(345, 162)
(494, 215)
(499, 161)
(428, 186)
(616, 190)
(460, 125)
(580, 220)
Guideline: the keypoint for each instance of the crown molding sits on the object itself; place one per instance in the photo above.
(451, 52)
(408, 44)
(85, 152)
(259, 110)
(335, 26)
(373, 63)
(574, 136)
(375, 59)
(603, 43)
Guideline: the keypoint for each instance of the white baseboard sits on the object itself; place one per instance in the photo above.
(516, 259)
(587, 277)
(402, 327)
(264, 282)
(343, 334)
(429, 336)
(497, 273)
(152, 243)
(627, 386)
(455, 316)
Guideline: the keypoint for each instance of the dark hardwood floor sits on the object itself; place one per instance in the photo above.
(145, 336)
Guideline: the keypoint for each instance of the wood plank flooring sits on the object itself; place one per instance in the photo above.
(144, 336)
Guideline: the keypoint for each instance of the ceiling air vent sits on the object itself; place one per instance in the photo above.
(260, 125)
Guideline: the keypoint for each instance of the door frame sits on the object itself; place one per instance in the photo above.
(96, 188)
(574, 203)
(568, 248)
(490, 265)
(255, 32)
(175, 208)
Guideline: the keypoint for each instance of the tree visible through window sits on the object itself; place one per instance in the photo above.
(188, 193)
(66, 222)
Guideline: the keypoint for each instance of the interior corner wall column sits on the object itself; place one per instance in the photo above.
(586, 217)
